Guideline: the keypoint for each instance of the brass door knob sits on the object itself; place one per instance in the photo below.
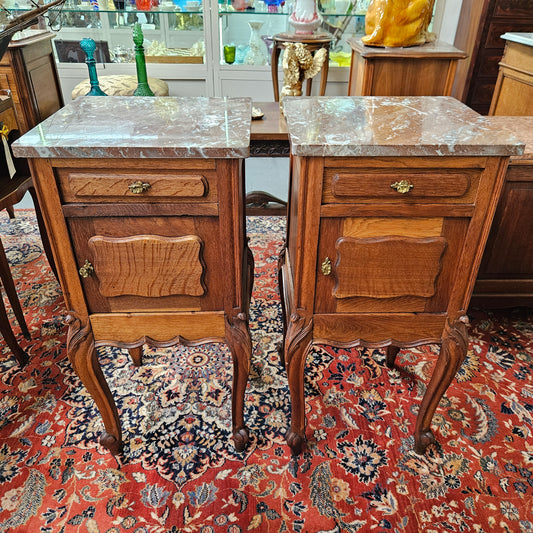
(402, 186)
(326, 266)
(138, 187)
(86, 270)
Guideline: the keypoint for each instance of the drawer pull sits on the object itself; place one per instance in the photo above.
(326, 267)
(138, 187)
(402, 186)
(86, 270)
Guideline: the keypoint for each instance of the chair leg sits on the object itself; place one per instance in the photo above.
(42, 231)
(9, 286)
(10, 211)
(7, 332)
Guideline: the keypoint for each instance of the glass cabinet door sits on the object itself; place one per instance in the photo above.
(173, 32)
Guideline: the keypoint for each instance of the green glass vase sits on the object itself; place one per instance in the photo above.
(143, 89)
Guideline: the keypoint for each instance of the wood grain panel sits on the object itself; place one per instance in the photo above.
(378, 329)
(364, 227)
(160, 327)
(388, 267)
(365, 185)
(86, 185)
(148, 265)
(111, 186)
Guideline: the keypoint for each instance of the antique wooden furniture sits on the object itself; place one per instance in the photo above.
(144, 200)
(480, 27)
(12, 189)
(313, 42)
(506, 273)
(268, 138)
(426, 70)
(513, 93)
(28, 70)
(390, 204)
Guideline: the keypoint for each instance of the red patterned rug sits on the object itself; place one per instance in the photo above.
(180, 472)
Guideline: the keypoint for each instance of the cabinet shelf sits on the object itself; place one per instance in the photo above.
(202, 30)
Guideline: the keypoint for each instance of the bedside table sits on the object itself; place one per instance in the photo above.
(390, 204)
(143, 199)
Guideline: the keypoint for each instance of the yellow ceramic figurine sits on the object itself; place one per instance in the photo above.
(398, 22)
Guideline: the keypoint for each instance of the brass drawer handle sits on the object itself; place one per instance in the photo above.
(402, 186)
(326, 267)
(138, 187)
(86, 270)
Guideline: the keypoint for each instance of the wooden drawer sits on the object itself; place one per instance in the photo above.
(194, 184)
(149, 263)
(420, 185)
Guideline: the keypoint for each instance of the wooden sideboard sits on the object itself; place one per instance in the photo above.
(146, 219)
(505, 277)
(390, 204)
(426, 70)
(513, 93)
(28, 70)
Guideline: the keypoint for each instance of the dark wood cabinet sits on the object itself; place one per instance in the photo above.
(29, 71)
(505, 277)
(481, 25)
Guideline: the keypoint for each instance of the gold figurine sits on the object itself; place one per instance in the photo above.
(299, 65)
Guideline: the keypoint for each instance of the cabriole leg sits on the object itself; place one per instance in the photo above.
(240, 344)
(82, 355)
(452, 354)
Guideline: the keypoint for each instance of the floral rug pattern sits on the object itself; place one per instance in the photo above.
(180, 472)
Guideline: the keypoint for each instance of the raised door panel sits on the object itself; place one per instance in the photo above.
(387, 265)
(513, 8)
(44, 87)
(150, 263)
(509, 253)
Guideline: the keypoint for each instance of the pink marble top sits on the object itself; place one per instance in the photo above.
(392, 126)
(522, 127)
(143, 127)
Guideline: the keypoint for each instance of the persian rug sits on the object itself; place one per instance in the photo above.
(180, 472)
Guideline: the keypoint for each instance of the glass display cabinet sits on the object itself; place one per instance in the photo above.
(185, 41)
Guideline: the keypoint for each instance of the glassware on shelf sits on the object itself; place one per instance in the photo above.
(257, 53)
(229, 53)
(239, 5)
(273, 5)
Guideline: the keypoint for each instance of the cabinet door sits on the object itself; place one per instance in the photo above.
(149, 263)
(387, 264)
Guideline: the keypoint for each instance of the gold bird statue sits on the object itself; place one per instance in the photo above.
(398, 23)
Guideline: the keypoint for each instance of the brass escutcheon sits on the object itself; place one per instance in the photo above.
(326, 267)
(86, 270)
(138, 187)
(402, 186)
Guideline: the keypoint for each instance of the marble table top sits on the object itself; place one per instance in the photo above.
(142, 127)
(434, 49)
(522, 128)
(519, 37)
(382, 126)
